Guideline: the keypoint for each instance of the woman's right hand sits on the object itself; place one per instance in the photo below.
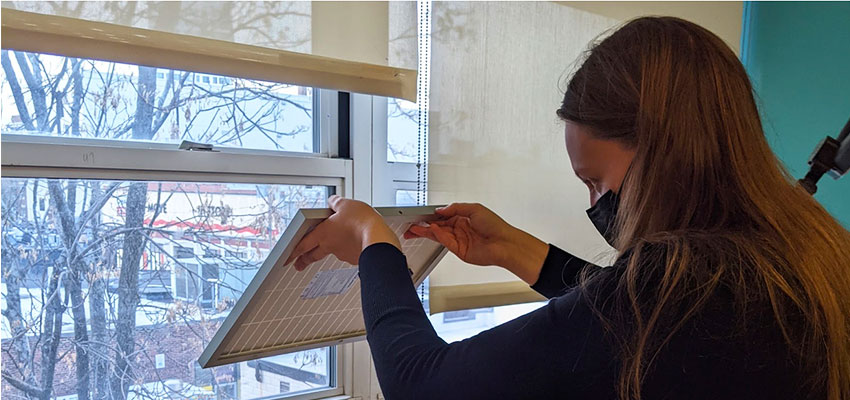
(479, 236)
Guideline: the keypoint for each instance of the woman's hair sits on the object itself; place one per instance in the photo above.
(705, 188)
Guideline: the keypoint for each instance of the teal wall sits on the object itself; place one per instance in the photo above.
(798, 57)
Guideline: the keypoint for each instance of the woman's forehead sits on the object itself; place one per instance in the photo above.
(589, 154)
(584, 150)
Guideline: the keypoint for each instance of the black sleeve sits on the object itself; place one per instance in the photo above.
(559, 273)
(553, 352)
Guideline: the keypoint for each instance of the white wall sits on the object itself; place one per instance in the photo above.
(724, 18)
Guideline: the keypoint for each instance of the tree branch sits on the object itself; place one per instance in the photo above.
(17, 93)
(23, 386)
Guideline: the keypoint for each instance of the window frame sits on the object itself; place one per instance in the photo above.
(25, 156)
(389, 176)
(36, 156)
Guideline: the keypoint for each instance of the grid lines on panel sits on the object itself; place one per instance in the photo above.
(278, 317)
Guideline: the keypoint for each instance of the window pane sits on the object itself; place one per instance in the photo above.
(409, 197)
(297, 372)
(402, 131)
(81, 259)
(454, 326)
(60, 96)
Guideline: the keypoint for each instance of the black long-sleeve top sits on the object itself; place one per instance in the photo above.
(560, 350)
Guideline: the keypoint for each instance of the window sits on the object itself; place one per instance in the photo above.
(235, 254)
(181, 280)
(402, 131)
(100, 101)
(183, 252)
(168, 330)
(454, 326)
(183, 232)
(98, 138)
(462, 315)
(288, 374)
(406, 197)
(212, 253)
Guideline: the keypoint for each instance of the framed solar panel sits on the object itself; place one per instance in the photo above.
(283, 310)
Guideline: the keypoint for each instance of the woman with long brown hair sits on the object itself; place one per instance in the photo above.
(731, 281)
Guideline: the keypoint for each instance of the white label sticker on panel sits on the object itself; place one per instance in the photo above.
(330, 282)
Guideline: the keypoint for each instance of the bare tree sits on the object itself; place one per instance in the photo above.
(94, 250)
(134, 240)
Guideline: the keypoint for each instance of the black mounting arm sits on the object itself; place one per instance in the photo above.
(832, 156)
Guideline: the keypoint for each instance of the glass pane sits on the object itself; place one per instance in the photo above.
(402, 131)
(409, 197)
(149, 269)
(287, 374)
(61, 96)
(454, 326)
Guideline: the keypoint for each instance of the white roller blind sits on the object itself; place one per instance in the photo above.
(284, 25)
(497, 73)
(347, 43)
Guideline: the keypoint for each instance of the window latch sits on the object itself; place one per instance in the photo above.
(196, 146)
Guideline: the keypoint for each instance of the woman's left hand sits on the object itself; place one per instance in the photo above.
(353, 227)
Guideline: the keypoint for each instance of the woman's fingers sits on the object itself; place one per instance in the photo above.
(412, 233)
(444, 237)
(342, 234)
(462, 234)
(417, 231)
(441, 235)
(461, 209)
(334, 202)
(309, 242)
(310, 257)
(448, 222)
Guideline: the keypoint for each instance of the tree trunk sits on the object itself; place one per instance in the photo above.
(128, 288)
(76, 272)
(99, 361)
(13, 277)
(52, 332)
(77, 77)
(97, 307)
(17, 93)
(81, 337)
(33, 79)
(134, 242)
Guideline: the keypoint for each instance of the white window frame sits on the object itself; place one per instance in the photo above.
(369, 152)
(389, 176)
(25, 156)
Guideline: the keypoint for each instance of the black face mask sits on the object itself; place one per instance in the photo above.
(603, 213)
